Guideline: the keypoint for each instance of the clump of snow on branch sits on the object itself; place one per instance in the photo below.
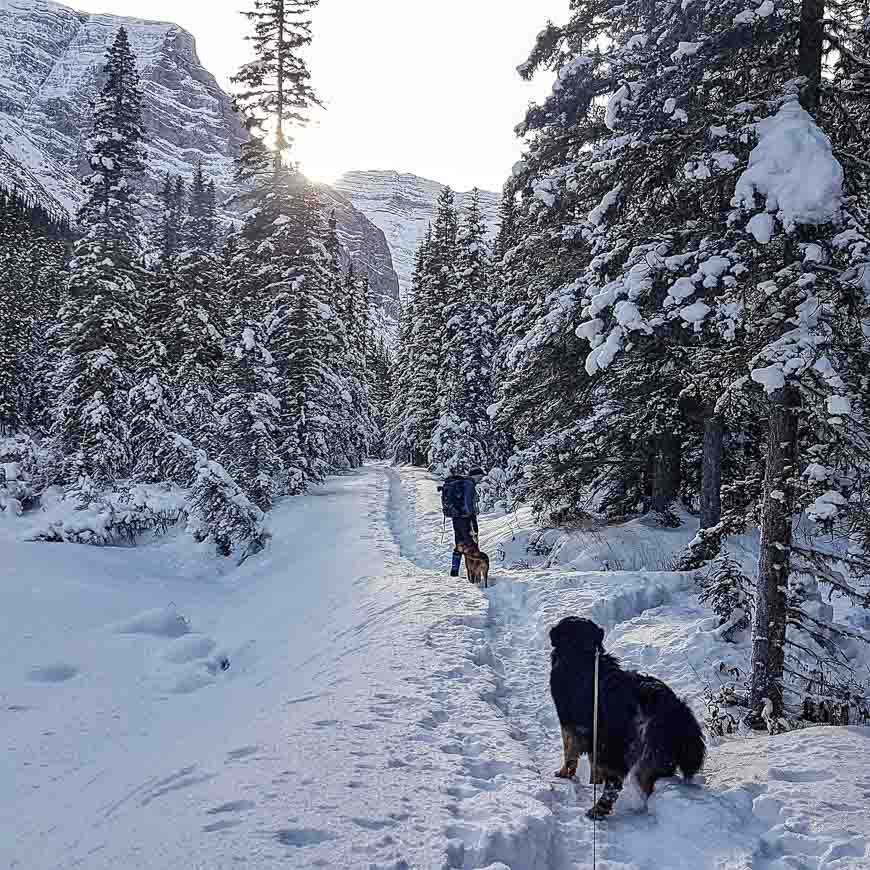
(793, 171)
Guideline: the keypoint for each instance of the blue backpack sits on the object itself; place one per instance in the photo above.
(453, 497)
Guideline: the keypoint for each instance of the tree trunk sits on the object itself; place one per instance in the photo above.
(810, 51)
(768, 626)
(666, 473)
(711, 472)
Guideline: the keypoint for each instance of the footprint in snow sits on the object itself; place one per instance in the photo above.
(785, 775)
(231, 807)
(374, 824)
(242, 752)
(189, 648)
(54, 673)
(300, 837)
(222, 825)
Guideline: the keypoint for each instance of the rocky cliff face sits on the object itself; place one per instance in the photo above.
(50, 62)
(403, 206)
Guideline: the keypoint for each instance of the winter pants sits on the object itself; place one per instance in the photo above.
(465, 530)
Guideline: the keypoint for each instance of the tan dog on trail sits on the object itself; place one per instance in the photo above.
(476, 563)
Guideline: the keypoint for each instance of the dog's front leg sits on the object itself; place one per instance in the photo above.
(571, 750)
(604, 805)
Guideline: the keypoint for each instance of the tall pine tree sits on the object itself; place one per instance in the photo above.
(99, 333)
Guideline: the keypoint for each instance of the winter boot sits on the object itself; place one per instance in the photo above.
(457, 561)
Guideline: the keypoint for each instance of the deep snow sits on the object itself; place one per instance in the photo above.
(375, 713)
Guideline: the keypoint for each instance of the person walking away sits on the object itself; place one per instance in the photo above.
(459, 503)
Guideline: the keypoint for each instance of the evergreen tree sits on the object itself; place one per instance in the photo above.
(99, 333)
(461, 437)
(32, 260)
(196, 328)
(152, 401)
(400, 443)
(424, 360)
(380, 365)
(277, 86)
(250, 411)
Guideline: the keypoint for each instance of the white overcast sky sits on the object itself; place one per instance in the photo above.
(411, 85)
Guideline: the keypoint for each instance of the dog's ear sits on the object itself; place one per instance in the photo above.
(563, 632)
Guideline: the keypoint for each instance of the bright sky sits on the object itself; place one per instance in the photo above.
(411, 85)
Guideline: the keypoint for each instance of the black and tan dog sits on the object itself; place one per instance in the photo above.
(476, 563)
(644, 729)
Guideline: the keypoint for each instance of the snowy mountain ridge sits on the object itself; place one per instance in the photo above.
(50, 61)
(403, 206)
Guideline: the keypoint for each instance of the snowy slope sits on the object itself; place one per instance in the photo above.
(403, 206)
(375, 714)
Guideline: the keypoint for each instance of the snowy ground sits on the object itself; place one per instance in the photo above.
(376, 713)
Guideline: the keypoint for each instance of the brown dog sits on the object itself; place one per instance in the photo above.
(476, 563)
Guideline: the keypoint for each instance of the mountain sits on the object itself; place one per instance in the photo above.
(403, 206)
(50, 62)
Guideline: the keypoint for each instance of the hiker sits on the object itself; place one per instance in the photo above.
(459, 503)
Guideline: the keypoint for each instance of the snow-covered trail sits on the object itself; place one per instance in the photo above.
(546, 828)
(125, 745)
(763, 804)
(376, 714)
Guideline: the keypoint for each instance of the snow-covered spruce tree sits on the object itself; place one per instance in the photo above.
(424, 357)
(353, 426)
(400, 444)
(442, 288)
(15, 248)
(506, 296)
(99, 322)
(250, 411)
(288, 234)
(152, 400)
(380, 367)
(33, 257)
(461, 436)
(195, 331)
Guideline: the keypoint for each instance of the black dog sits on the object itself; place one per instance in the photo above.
(643, 727)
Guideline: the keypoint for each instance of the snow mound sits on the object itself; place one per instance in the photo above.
(793, 169)
(161, 622)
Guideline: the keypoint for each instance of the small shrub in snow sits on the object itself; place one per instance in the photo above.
(19, 474)
(728, 592)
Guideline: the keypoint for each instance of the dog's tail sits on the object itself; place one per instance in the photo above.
(672, 726)
(689, 749)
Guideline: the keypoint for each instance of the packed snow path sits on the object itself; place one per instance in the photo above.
(375, 714)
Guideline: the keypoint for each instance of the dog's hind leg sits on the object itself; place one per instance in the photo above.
(604, 805)
(571, 749)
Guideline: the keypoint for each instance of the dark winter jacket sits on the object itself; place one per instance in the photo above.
(469, 492)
